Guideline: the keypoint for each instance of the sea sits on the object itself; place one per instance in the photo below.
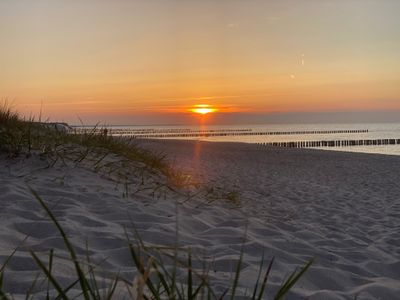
(273, 133)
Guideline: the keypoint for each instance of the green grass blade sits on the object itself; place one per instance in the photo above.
(162, 279)
(82, 279)
(223, 294)
(49, 276)
(290, 282)
(50, 270)
(112, 289)
(190, 279)
(209, 294)
(198, 289)
(141, 269)
(65, 291)
(237, 273)
(29, 292)
(258, 278)
(264, 284)
(12, 254)
(3, 295)
(92, 275)
(180, 293)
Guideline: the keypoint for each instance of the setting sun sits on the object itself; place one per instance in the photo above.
(203, 109)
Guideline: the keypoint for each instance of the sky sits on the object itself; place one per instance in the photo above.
(150, 61)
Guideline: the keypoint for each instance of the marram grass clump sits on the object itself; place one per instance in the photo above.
(22, 137)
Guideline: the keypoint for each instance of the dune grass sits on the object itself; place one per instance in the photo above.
(15, 132)
(23, 137)
(155, 279)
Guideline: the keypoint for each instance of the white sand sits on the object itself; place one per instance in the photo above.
(341, 208)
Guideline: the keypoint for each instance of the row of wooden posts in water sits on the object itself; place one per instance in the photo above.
(167, 133)
(144, 131)
(245, 133)
(339, 143)
(137, 133)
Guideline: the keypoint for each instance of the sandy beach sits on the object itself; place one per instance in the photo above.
(342, 209)
(200, 150)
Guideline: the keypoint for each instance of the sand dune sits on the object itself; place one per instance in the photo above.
(342, 209)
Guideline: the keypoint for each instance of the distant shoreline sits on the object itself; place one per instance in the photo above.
(361, 138)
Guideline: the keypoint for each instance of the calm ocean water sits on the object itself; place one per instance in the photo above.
(375, 131)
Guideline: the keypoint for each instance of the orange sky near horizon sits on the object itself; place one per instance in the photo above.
(112, 58)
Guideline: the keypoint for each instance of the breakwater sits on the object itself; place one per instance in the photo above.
(227, 132)
(338, 143)
(152, 132)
